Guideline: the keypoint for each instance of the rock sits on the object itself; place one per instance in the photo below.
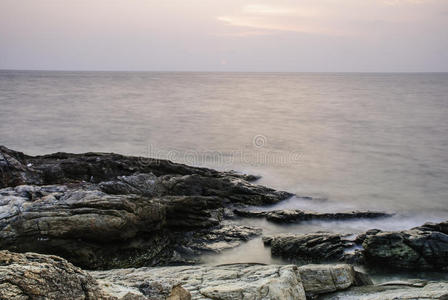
(94, 229)
(62, 168)
(306, 248)
(118, 174)
(228, 187)
(36, 276)
(423, 248)
(320, 279)
(213, 240)
(102, 210)
(393, 291)
(235, 281)
(297, 216)
(179, 293)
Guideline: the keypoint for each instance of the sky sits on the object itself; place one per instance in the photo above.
(225, 35)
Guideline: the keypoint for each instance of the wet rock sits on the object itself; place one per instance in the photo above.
(117, 211)
(424, 248)
(97, 230)
(297, 216)
(235, 281)
(59, 168)
(306, 248)
(90, 228)
(212, 240)
(36, 276)
(118, 174)
(394, 291)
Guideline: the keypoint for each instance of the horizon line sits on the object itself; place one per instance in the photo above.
(222, 71)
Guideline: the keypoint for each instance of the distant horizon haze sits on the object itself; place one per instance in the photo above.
(233, 36)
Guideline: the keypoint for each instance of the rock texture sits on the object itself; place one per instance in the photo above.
(309, 248)
(394, 291)
(106, 210)
(424, 248)
(97, 230)
(420, 248)
(229, 282)
(35, 276)
(297, 216)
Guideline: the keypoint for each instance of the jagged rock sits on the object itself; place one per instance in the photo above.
(394, 291)
(231, 188)
(62, 168)
(212, 240)
(235, 281)
(306, 248)
(36, 276)
(423, 248)
(97, 230)
(297, 216)
(118, 211)
(119, 174)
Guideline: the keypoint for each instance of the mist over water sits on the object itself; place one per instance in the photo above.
(351, 141)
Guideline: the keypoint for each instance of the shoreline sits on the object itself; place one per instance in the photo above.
(105, 211)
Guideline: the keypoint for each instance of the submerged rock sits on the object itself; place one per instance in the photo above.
(36, 276)
(297, 216)
(235, 281)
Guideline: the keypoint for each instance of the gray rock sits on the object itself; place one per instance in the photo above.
(36, 276)
(308, 248)
(297, 216)
(122, 175)
(235, 281)
(393, 291)
(103, 210)
(420, 248)
(320, 279)
(94, 229)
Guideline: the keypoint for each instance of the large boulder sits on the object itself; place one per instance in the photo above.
(423, 248)
(321, 279)
(229, 282)
(36, 276)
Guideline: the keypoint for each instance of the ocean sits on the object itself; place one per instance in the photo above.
(349, 141)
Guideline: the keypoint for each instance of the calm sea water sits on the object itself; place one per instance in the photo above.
(352, 141)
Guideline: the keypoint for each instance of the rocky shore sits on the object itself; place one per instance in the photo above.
(140, 226)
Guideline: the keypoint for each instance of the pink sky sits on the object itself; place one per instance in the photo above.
(231, 35)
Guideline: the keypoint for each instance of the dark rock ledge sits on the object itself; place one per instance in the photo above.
(421, 248)
(297, 216)
(101, 210)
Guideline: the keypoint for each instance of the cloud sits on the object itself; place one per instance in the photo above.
(262, 9)
(329, 17)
